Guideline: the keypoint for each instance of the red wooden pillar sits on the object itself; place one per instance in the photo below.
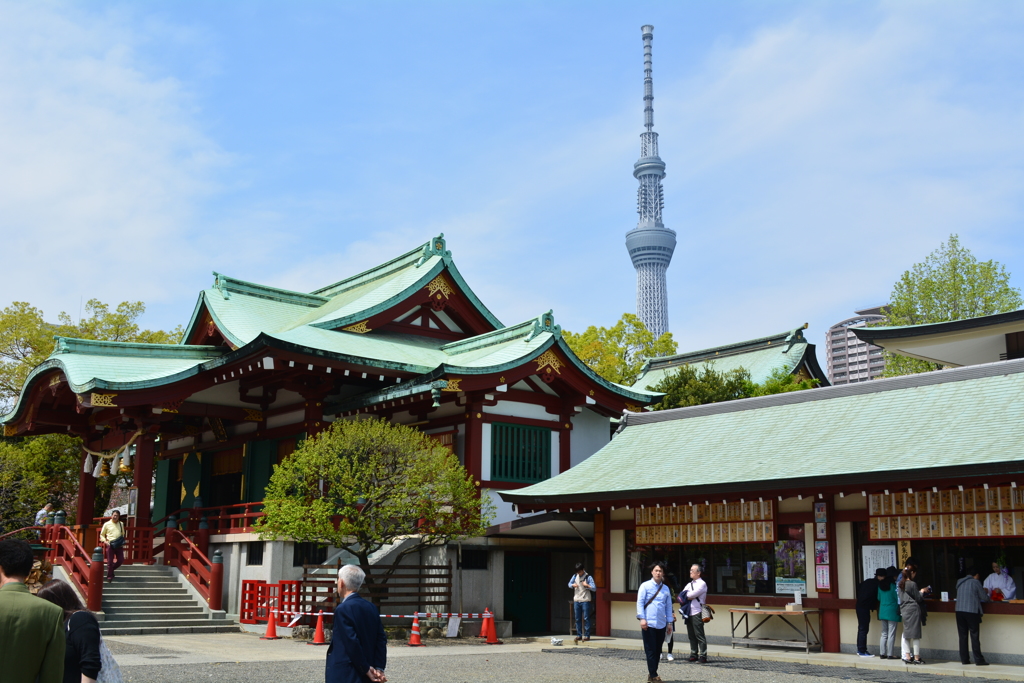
(830, 636)
(216, 581)
(602, 574)
(94, 600)
(474, 440)
(564, 442)
(144, 452)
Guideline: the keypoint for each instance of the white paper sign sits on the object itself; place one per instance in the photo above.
(453, 627)
(875, 556)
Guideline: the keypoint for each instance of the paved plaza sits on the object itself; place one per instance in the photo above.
(244, 658)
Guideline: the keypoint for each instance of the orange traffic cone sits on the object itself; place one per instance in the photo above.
(492, 633)
(483, 624)
(414, 639)
(271, 633)
(318, 636)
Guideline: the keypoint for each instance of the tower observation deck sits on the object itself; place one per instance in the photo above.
(650, 243)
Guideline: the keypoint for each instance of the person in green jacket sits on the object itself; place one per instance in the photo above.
(888, 613)
(31, 629)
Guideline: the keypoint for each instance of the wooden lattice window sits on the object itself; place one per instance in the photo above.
(520, 453)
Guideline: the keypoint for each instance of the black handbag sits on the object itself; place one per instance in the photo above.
(119, 541)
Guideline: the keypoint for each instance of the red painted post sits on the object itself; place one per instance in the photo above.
(144, 452)
(830, 630)
(95, 597)
(216, 580)
(202, 537)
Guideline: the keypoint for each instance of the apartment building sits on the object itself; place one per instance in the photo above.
(848, 359)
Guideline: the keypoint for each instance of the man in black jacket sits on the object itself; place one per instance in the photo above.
(359, 646)
(867, 600)
(969, 596)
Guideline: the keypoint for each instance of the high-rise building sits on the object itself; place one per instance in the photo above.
(650, 243)
(848, 359)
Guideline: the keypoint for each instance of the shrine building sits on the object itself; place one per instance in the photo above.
(261, 368)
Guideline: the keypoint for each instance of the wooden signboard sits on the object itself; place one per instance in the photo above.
(746, 522)
(971, 513)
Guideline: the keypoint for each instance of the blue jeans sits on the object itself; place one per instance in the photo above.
(582, 612)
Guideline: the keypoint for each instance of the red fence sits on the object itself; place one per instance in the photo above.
(64, 549)
(259, 597)
(203, 574)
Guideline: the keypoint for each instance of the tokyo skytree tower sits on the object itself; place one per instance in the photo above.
(650, 243)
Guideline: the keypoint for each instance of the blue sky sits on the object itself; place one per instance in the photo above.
(814, 150)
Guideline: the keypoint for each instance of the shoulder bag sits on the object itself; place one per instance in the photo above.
(707, 613)
(119, 541)
(651, 599)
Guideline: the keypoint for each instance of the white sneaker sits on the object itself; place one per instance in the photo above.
(669, 657)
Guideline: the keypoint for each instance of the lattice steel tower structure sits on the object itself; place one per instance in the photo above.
(650, 243)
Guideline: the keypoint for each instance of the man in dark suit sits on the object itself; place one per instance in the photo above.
(31, 629)
(359, 646)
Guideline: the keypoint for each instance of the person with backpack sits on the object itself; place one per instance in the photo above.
(112, 539)
(583, 588)
(692, 599)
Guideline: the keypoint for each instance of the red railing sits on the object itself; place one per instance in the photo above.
(204, 575)
(64, 549)
(138, 541)
(259, 597)
(221, 519)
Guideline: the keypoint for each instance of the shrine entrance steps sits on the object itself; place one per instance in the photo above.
(149, 600)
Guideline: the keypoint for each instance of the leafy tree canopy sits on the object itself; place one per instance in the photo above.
(618, 353)
(50, 463)
(695, 385)
(26, 338)
(950, 284)
(365, 484)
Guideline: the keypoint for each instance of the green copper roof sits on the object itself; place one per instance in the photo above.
(252, 315)
(967, 420)
(760, 357)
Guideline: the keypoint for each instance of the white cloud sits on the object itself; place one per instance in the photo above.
(103, 161)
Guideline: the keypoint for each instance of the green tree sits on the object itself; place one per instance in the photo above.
(950, 284)
(618, 353)
(22, 490)
(362, 485)
(26, 340)
(695, 385)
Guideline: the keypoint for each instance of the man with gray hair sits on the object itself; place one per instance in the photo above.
(359, 646)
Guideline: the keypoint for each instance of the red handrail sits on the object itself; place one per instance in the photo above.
(64, 549)
(222, 519)
(181, 552)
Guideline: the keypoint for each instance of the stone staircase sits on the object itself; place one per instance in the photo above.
(147, 599)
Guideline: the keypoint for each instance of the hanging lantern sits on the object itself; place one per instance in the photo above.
(105, 471)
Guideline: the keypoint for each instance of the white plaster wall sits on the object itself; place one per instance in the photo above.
(485, 452)
(590, 433)
(617, 572)
(845, 560)
(527, 410)
(809, 555)
(285, 419)
(504, 512)
(555, 452)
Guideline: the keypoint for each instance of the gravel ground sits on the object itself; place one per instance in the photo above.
(590, 666)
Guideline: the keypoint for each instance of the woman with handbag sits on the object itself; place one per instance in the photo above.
(913, 612)
(112, 539)
(692, 599)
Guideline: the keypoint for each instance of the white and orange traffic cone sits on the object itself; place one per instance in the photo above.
(414, 639)
(271, 633)
(318, 636)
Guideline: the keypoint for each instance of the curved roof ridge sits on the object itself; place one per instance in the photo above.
(97, 347)
(731, 349)
(421, 254)
(528, 328)
(229, 285)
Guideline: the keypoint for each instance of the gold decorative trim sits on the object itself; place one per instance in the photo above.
(632, 408)
(439, 286)
(195, 494)
(102, 400)
(253, 415)
(55, 380)
(358, 328)
(453, 385)
(183, 494)
(10, 430)
(549, 359)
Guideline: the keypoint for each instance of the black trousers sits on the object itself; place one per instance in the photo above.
(863, 625)
(969, 622)
(654, 638)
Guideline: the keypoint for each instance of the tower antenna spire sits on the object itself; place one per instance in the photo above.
(650, 243)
